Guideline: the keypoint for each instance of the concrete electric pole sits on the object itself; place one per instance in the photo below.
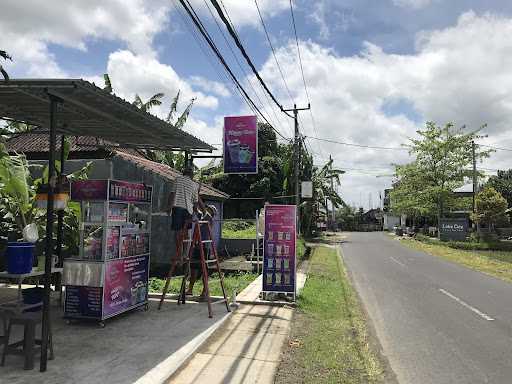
(296, 156)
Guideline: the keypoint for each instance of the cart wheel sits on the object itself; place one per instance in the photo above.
(101, 324)
(146, 307)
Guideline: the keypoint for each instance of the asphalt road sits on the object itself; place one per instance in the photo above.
(437, 322)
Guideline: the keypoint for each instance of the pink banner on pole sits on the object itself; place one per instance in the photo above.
(279, 244)
(240, 144)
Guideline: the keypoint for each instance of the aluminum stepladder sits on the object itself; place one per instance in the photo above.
(195, 241)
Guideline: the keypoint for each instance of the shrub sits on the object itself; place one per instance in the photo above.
(469, 245)
(236, 225)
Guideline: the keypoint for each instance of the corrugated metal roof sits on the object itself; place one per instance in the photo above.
(87, 110)
(168, 173)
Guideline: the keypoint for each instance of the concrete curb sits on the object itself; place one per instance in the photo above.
(163, 371)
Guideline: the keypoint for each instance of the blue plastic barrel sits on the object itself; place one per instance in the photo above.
(20, 257)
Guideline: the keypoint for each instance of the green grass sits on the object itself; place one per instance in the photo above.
(494, 263)
(330, 329)
(238, 230)
(233, 281)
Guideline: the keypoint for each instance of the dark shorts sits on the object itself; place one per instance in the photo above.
(179, 218)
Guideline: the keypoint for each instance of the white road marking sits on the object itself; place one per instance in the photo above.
(396, 261)
(463, 303)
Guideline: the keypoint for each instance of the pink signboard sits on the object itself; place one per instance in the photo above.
(89, 190)
(132, 192)
(279, 248)
(117, 191)
(125, 284)
(240, 144)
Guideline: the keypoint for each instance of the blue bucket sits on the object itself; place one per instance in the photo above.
(20, 257)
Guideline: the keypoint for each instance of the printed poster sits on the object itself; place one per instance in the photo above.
(279, 248)
(240, 144)
(125, 284)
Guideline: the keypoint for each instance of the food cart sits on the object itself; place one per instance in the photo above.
(110, 274)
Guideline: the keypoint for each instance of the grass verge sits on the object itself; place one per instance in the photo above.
(329, 339)
(232, 281)
(494, 263)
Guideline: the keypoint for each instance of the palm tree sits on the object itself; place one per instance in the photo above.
(153, 101)
(5, 56)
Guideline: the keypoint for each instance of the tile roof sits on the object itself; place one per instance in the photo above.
(168, 172)
(39, 143)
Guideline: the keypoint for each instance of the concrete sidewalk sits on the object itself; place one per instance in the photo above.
(136, 347)
(247, 347)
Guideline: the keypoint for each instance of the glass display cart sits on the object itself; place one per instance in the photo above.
(110, 274)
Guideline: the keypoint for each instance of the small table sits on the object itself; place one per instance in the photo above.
(19, 277)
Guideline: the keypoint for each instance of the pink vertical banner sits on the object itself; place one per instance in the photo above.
(240, 144)
(279, 274)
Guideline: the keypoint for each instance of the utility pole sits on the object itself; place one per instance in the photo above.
(475, 181)
(333, 220)
(296, 156)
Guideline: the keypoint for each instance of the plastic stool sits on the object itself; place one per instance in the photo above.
(29, 321)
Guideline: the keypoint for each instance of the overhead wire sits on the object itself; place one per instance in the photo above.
(313, 121)
(238, 43)
(245, 74)
(199, 25)
(236, 59)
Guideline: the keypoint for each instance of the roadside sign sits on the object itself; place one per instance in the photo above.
(279, 244)
(307, 189)
(453, 229)
(240, 145)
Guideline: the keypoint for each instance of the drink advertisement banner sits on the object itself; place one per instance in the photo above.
(125, 284)
(89, 190)
(132, 192)
(279, 248)
(240, 144)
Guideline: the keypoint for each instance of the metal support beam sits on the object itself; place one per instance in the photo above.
(49, 234)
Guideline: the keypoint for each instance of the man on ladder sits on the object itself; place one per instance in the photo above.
(184, 204)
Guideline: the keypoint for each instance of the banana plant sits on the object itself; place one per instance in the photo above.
(5, 56)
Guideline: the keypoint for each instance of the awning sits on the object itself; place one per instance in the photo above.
(87, 110)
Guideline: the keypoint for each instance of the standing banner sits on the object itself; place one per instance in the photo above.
(279, 273)
(240, 144)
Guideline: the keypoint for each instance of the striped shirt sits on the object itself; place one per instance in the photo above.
(186, 193)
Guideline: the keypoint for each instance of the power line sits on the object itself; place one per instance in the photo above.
(497, 148)
(245, 74)
(302, 68)
(238, 61)
(243, 51)
(273, 51)
(357, 145)
(199, 25)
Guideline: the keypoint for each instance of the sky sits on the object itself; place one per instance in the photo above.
(375, 70)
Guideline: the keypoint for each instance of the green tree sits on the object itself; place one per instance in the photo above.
(443, 163)
(491, 208)
(502, 182)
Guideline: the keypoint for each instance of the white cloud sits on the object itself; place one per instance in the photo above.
(414, 4)
(28, 27)
(460, 74)
(210, 86)
(131, 74)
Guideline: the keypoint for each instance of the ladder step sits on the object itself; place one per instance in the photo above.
(210, 261)
(207, 241)
(186, 241)
(203, 222)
